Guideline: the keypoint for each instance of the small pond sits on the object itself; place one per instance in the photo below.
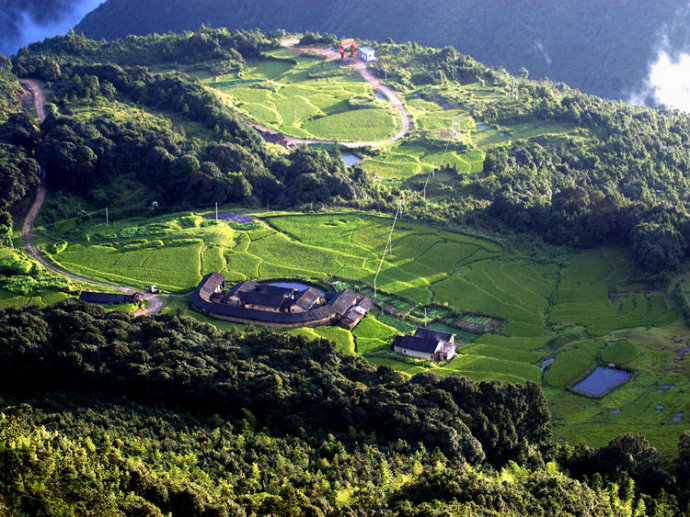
(379, 95)
(601, 381)
(294, 284)
(546, 363)
(677, 417)
(351, 159)
(483, 127)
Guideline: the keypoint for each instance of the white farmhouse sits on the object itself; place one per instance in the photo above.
(426, 344)
(367, 54)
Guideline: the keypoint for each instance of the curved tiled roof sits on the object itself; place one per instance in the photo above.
(201, 300)
(416, 343)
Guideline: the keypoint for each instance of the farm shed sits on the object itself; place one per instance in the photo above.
(110, 298)
(367, 54)
(426, 344)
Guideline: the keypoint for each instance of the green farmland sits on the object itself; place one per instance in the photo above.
(307, 97)
(562, 309)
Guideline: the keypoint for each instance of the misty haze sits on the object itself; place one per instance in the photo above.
(23, 22)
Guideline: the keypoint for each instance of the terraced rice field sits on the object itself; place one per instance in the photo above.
(647, 404)
(562, 309)
(583, 297)
(407, 160)
(427, 265)
(306, 97)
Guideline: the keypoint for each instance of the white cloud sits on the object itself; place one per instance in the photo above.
(31, 31)
(669, 80)
(539, 46)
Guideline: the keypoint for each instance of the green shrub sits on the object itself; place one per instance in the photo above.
(246, 227)
(191, 221)
(621, 352)
(128, 233)
(12, 264)
(58, 247)
(25, 285)
(570, 365)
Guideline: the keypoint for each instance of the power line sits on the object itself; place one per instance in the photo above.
(389, 243)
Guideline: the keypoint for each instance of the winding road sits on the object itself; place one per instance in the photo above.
(154, 303)
(376, 85)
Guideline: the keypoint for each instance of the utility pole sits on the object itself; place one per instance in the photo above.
(216, 210)
(107, 220)
(424, 317)
(456, 128)
(431, 173)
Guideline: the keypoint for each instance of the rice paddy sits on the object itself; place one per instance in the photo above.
(307, 97)
(577, 310)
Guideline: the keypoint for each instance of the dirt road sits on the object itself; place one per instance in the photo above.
(396, 102)
(37, 95)
(154, 303)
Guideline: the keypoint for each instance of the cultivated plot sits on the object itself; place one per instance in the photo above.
(307, 97)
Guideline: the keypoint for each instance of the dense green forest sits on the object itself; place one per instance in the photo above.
(603, 48)
(164, 414)
(106, 413)
(10, 89)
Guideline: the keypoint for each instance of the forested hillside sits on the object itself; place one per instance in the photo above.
(10, 89)
(618, 176)
(603, 48)
(265, 424)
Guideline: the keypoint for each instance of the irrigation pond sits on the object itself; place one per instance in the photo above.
(299, 286)
(351, 159)
(601, 381)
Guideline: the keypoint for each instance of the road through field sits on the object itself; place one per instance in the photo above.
(396, 102)
(154, 303)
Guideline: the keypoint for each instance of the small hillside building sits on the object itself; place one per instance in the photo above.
(426, 344)
(367, 54)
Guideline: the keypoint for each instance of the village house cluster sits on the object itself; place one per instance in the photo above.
(274, 306)
(289, 307)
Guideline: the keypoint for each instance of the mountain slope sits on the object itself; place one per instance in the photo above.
(599, 47)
